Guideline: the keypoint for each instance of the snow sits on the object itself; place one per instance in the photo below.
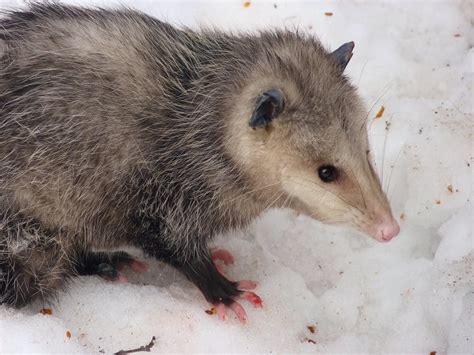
(412, 295)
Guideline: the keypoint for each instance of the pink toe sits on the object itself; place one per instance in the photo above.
(224, 255)
(246, 285)
(239, 311)
(220, 308)
(252, 298)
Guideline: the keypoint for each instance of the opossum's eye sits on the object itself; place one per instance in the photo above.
(327, 173)
(269, 105)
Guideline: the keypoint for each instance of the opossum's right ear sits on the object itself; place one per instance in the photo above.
(343, 55)
(269, 105)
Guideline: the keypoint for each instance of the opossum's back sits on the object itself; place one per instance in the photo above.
(72, 94)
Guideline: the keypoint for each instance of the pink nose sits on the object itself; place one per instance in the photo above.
(387, 230)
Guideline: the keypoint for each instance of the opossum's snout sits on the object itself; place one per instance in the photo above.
(347, 192)
(387, 230)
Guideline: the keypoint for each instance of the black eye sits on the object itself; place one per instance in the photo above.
(327, 173)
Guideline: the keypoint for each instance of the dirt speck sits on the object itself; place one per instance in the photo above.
(46, 311)
(211, 311)
(380, 112)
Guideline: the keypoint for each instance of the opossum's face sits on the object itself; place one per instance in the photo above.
(308, 142)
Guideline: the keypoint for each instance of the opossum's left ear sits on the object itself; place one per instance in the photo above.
(269, 105)
(343, 54)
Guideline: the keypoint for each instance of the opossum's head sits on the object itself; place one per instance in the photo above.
(303, 138)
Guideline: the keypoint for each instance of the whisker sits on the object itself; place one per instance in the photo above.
(384, 92)
(285, 203)
(270, 205)
(391, 172)
(358, 184)
(383, 157)
(362, 72)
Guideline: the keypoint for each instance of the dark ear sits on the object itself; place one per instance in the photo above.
(343, 54)
(269, 105)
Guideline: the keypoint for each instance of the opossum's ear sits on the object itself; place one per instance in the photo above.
(269, 105)
(343, 54)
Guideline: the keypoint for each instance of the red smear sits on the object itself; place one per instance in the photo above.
(253, 298)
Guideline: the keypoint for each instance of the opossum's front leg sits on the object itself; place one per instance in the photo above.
(217, 289)
(200, 269)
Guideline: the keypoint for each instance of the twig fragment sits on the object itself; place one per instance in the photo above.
(146, 348)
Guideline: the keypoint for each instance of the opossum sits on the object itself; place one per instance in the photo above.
(117, 129)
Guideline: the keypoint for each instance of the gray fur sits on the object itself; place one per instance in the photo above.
(115, 130)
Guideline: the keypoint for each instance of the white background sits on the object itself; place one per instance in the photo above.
(414, 294)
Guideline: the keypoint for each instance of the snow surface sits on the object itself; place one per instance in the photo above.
(415, 294)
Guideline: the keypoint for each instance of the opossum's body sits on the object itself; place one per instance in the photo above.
(118, 129)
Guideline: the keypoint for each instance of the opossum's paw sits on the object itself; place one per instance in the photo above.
(109, 266)
(235, 306)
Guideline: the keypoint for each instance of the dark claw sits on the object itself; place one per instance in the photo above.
(107, 272)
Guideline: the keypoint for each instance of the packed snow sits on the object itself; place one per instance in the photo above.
(325, 289)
